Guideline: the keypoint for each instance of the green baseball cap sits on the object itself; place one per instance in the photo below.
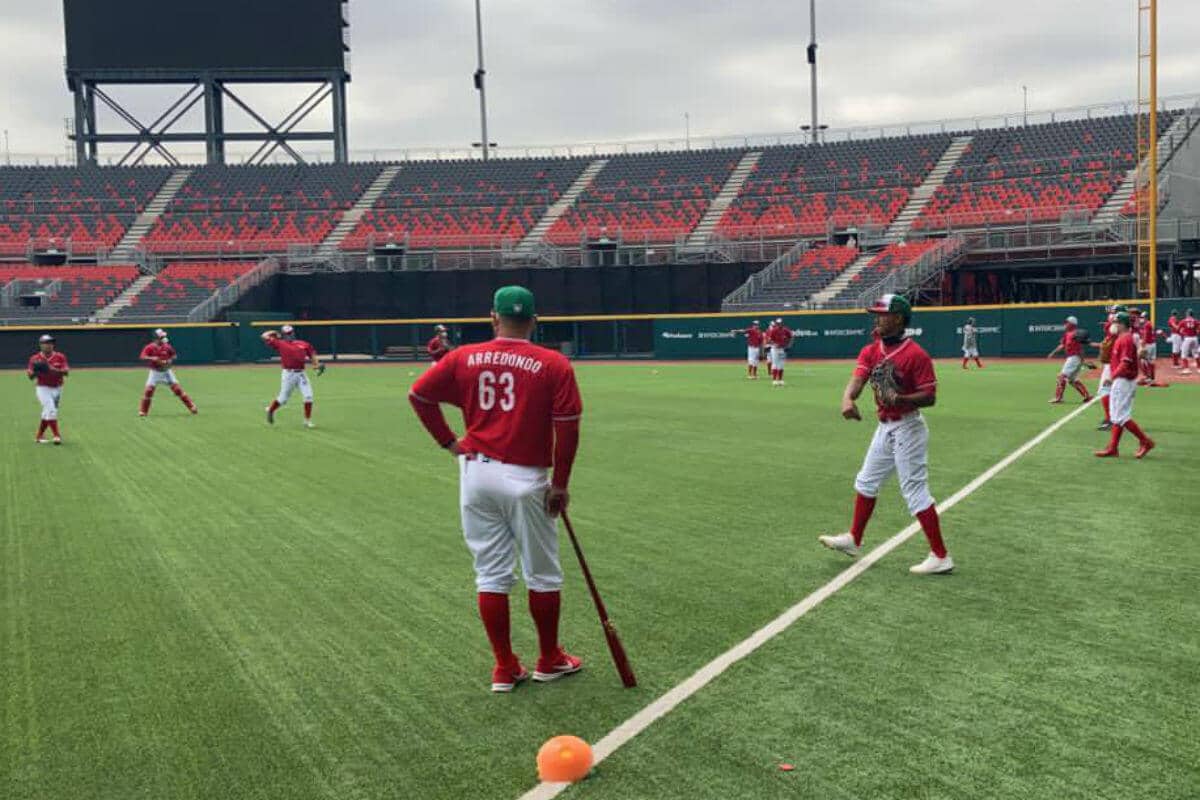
(1122, 317)
(892, 304)
(514, 301)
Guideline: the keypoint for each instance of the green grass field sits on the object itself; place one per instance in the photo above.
(210, 607)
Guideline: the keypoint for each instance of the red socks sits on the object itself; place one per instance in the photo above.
(1079, 387)
(42, 427)
(1062, 387)
(308, 410)
(1136, 430)
(863, 507)
(53, 426)
(493, 610)
(182, 395)
(979, 363)
(780, 374)
(1104, 402)
(274, 406)
(145, 408)
(1114, 437)
(964, 363)
(544, 607)
(933, 530)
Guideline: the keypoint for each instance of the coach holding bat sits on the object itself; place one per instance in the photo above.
(521, 407)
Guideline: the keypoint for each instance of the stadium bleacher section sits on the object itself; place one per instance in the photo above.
(67, 293)
(464, 203)
(266, 208)
(894, 256)
(796, 191)
(80, 209)
(180, 287)
(1036, 173)
(649, 197)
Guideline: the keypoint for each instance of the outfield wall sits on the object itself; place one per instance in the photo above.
(1004, 331)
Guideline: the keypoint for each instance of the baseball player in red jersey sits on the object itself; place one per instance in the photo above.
(754, 342)
(780, 337)
(1189, 349)
(1072, 345)
(439, 345)
(1146, 337)
(1124, 384)
(901, 442)
(294, 356)
(159, 355)
(1173, 337)
(521, 408)
(48, 368)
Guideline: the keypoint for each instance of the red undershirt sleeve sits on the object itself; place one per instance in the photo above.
(566, 443)
(433, 419)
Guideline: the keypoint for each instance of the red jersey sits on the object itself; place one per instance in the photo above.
(436, 348)
(511, 393)
(1125, 357)
(158, 354)
(1189, 327)
(914, 372)
(1148, 334)
(293, 354)
(1070, 345)
(1172, 324)
(754, 336)
(780, 336)
(56, 360)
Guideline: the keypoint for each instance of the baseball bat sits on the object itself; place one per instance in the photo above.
(610, 632)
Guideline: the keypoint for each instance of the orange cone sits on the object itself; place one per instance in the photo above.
(564, 759)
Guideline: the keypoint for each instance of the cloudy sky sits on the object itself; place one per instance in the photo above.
(568, 71)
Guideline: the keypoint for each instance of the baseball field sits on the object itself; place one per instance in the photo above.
(211, 607)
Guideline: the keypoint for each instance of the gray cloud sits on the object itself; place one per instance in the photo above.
(601, 70)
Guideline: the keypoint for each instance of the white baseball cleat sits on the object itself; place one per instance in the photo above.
(843, 543)
(932, 565)
(58, 440)
(309, 424)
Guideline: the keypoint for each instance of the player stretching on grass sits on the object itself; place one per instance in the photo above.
(439, 345)
(294, 355)
(1072, 345)
(970, 346)
(521, 408)
(901, 374)
(47, 368)
(754, 342)
(159, 355)
(1124, 383)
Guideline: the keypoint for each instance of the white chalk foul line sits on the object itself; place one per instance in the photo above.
(710, 671)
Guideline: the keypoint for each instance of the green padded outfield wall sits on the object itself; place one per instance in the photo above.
(1017, 330)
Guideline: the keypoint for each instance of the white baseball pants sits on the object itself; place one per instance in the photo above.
(504, 515)
(1176, 343)
(292, 380)
(1191, 347)
(1071, 368)
(49, 397)
(1150, 353)
(970, 352)
(1105, 381)
(778, 358)
(1120, 404)
(901, 447)
(156, 377)
(752, 355)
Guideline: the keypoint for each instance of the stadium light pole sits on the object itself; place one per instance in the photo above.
(812, 63)
(687, 130)
(1024, 105)
(479, 81)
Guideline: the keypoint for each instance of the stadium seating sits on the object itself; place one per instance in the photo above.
(649, 197)
(464, 203)
(64, 207)
(1036, 173)
(265, 208)
(888, 259)
(795, 191)
(79, 293)
(180, 287)
(815, 270)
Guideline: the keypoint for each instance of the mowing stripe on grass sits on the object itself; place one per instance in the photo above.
(664, 704)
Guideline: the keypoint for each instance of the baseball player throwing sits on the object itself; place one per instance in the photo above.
(901, 374)
(294, 356)
(159, 355)
(1072, 345)
(521, 408)
(754, 342)
(47, 368)
(439, 345)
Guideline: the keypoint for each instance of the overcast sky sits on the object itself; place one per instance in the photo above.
(564, 71)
